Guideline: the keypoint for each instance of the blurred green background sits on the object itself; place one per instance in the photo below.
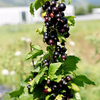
(83, 42)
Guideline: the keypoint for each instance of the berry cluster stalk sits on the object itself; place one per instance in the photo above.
(56, 24)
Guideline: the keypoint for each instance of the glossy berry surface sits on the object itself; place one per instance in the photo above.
(68, 78)
(48, 81)
(62, 30)
(62, 13)
(63, 49)
(45, 90)
(51, 42)
(47, 64)
(44, 7)
(46, 19)
(55, 9)
(63, 43)
(54, 87)
(52, 15)
(61, 7)
(49, 9)
(64, 20)
(58, 48)
(47, 3)
(30, 79)
(45, 61)
(53, 3)
(28, 87)
(58, 15)
(63, 57)
(67, 35)
(46, 34)
(56, 54)
(54, 61)
(66, 27)
(45, 38)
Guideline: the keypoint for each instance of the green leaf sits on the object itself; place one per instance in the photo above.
(81, 79)
(27, 79)
(69, 1)
(32, 5)
(70, 64)
(77, 96)
(36, 47)
(38, 3)
(36, 80)
(47, 97)
(59, 97)
(62, 0)
(60, 37)
(75, 87)
(36, 69)
(34, 53)
(52, 69)
(26, 96)
(58, 78)
(17, 93)
(38, 93)
(40, 30)
(43, 78)
(71, 20)
(40, 74)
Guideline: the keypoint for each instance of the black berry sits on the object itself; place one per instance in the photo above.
(56, 54)
(63, 57)
(68, 78)
(61, 7)
(51, 42)
(45, 90)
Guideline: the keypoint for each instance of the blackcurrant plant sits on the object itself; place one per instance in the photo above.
(53, 77)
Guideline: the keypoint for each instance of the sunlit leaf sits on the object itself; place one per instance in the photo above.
(32, 5)
(75, 87)
(34, 53)
(69, 1)
(81, 79)
(17, 93)
(71, 20)
(53, 68)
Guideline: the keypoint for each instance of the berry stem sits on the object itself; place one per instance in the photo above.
(31, 50)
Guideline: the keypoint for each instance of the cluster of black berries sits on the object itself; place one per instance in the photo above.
(55, 23)
(55, 88)
(58, 51)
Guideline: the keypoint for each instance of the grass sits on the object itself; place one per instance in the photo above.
(10, 42)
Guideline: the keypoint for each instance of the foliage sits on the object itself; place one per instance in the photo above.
(80, 11)
(90, 7)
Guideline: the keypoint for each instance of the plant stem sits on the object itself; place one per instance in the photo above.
(31, 50)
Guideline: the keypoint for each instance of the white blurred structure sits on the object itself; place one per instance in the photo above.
(15, 15)
(20, 15)
(69, 10)
(95, 15)
(96, 11)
